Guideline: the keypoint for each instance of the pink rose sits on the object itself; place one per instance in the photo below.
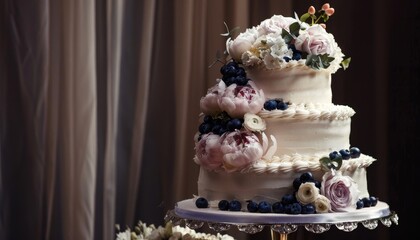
(315, 41)
(240, 149)
(209, 104)
(238, 100)
(342, 191)
(208, 152)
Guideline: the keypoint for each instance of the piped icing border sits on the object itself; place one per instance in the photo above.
(311, 111)
(300, 163)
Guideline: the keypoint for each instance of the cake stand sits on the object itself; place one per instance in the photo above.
(280, 224)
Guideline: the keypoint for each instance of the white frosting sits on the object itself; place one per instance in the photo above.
(271, 181)
(309, 128)
(299, 84)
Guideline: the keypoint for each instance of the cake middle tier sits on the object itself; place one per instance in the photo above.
(309, 128)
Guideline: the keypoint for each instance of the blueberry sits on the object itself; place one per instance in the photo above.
(223, 205)
(205, 128)
(234, 123)
(291, 46)
(345, 154)
(354, 152)
(229, 80)
(270, 105)
(297, 56)
(208, 119)
(317, 184)
(282, 105)
(306, 177)
(308, 209)
(252, 206)
(235, 205)
(201, 202)
(287, 59)
(295, 208)
(359, 204)
(334, 155)
(241, 80)
(216, 129)
(296, 183)
(240, 71)
(264, 207)
(373, 201)
(277, 207)
(366, 202)
(288, 199)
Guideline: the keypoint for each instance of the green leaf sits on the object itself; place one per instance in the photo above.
(286, 36)
(327, 163)
(304, 17)
(345, 63)
(294, 29)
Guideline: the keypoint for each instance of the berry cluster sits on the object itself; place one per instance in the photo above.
(273, 104)
(297, 55)
(345, 154)
(367, 202)
(233, 73)
(220, 124)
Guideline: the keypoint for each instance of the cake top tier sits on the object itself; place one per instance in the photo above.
(284, 42)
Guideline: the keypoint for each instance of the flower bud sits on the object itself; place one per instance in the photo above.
(311, 10)
(325, 6)
(329, 11)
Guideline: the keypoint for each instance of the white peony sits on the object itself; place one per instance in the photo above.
(315, 40)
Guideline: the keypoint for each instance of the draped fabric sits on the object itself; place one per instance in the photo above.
(99, 105)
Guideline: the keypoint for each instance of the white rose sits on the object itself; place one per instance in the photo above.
(322, 204)
(275, 24)
(315, 40)
(242, 43)
(307, 193)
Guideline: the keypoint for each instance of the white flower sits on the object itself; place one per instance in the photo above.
(315, 40)
(254, 123)
(238, 100)
(275, 24)
(242, 43)
(240, 149)
(126, 235)
(208, 151)
(322, 204)
(307, 193)
(209, 104)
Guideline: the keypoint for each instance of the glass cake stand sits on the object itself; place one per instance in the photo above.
(280, 224)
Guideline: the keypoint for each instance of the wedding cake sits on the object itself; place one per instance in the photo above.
(269, 138)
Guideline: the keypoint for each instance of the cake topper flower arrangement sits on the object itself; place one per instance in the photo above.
(280, 42)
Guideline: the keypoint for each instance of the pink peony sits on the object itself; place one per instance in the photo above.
(208, 152)
(275, 24)
(240, 149)
(209, 103)
(238, 100)
(342, 191)
(315, 41)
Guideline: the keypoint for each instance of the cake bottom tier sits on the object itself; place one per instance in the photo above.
(267, 186)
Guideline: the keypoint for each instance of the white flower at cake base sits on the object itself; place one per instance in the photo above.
(322, 204)
(240, 149)
(307, 193)
(254, 123)
(209, 104)
(342, 191)
(238, 100)
(208, 151)
(316, 41)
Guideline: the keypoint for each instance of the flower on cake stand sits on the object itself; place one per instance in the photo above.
(254, 123)
(307, 193)
(240, 149)
(342, 191)
(238, 100)
(322, 204)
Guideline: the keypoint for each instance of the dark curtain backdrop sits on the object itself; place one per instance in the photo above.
(149, 68)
